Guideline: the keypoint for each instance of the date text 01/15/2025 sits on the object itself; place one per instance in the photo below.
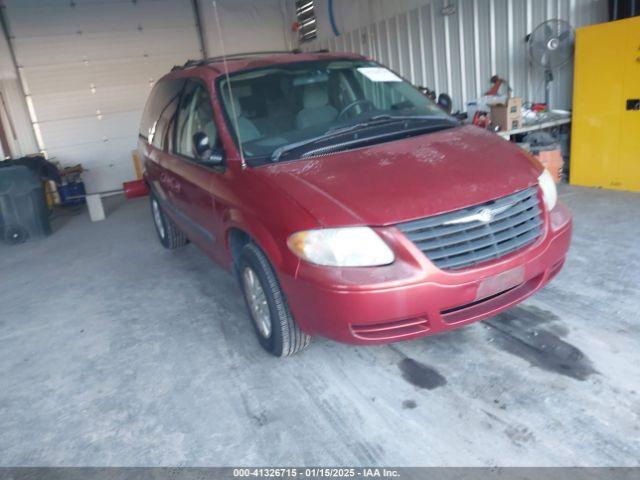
(317, 472)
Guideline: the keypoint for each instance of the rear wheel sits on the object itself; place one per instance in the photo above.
(273, 322)
(168, 232)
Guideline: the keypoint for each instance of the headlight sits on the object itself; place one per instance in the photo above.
(548, 187)
(341, 247)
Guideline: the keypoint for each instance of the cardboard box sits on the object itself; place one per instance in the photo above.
(507, 116)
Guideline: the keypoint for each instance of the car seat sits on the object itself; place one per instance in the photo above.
(316, 109)
(248, 131)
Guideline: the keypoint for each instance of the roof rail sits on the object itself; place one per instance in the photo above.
(219, 58)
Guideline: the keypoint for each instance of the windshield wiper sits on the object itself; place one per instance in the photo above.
(278, 152)
(414, 117)
(376, 120)
(364, 140)
(385, 118)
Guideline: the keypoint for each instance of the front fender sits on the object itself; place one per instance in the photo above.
(259, 233)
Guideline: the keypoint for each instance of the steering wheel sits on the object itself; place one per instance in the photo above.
(360, 101)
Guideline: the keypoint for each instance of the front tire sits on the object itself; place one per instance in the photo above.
(273, 322)
(168, 232)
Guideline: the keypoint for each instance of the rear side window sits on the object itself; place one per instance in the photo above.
(160, 111)
(195, 115)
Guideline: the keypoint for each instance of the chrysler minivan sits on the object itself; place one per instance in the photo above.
(347, 203)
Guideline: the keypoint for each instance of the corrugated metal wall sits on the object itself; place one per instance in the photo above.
(87, 65)
(458, 53)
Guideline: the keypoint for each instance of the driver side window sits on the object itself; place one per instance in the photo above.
(195, 116)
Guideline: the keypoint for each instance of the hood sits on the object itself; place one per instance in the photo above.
(405, 179)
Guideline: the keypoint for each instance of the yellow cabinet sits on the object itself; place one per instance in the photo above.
(605, 137)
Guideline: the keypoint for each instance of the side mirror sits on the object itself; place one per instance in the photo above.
(445, 102)
(204, 152)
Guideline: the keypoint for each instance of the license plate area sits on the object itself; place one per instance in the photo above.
(501, 282)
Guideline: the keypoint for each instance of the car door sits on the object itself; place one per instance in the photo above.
(190, 182)
(155, 128)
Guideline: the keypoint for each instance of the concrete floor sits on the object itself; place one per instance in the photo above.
(114, 351)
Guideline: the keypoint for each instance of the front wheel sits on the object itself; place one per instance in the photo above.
(275, 327)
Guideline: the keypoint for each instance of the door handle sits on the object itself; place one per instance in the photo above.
(633, 104)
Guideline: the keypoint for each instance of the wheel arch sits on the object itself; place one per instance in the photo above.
(240, 233)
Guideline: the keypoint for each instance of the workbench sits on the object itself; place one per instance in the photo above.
(548, 120)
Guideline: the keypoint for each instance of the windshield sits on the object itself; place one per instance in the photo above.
(278, 108)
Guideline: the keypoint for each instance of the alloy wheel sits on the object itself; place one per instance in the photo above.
(257, 300)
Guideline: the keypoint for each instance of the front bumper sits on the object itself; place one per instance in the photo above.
(412, 298)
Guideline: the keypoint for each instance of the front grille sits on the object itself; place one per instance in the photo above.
(457, 240)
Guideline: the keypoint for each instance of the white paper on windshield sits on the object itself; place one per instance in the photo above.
(379, 74)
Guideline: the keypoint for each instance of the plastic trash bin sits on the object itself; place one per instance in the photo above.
(23, 212)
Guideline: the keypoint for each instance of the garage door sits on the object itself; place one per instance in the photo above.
(87, 68)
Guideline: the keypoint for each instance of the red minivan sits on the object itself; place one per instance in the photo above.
(347, 203)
